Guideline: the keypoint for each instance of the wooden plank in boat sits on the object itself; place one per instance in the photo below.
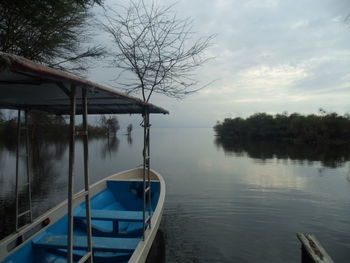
(80, 242)
(113, 215)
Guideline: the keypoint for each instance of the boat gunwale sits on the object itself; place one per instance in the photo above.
(141, 252)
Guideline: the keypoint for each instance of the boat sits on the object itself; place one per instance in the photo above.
(113, 220)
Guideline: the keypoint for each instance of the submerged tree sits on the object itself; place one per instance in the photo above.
(48, 31)
(129, 129)
(157, 48)
(110, 124)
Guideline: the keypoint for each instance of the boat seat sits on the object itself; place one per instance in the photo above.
(80, 243)
(112, 215)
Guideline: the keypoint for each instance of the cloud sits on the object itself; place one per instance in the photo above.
(269, 78)
(252, 100)
(270, 56)
(261, 3)
(299, 24)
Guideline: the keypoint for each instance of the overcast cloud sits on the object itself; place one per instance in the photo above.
(270, 56)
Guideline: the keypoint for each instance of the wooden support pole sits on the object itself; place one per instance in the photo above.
(28, 165)
(149, 170)
(86, 175)
(17, 165)
(144, 174)
(71, 174)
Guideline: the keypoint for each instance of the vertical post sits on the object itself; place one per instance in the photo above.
(27, 166)
(144, 175)
(86, 175)
(17, 164)
(71, 173)
(148, 170)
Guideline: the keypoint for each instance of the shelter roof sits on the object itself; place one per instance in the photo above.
(25, 84)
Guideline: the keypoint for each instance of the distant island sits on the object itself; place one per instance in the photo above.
(311, 129)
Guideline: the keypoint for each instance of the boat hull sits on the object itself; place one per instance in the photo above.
(116, 211)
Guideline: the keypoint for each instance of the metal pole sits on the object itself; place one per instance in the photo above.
(149, 169)
(17, 164)
(27, 165)
(144, 176)
(86, 175)
(71, 174)
(146, 173)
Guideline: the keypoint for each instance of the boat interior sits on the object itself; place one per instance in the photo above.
(116, 220)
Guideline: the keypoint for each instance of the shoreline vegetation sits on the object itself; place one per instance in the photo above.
(54, 128)
(301, 138)
(325, 128)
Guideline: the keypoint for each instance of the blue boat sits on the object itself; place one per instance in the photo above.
(116, 214)
(113, 220)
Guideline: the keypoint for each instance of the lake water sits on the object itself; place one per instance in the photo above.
(224, 202)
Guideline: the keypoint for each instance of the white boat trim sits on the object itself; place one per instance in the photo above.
(141, 252)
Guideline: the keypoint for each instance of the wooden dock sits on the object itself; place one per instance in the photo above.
(312, 250)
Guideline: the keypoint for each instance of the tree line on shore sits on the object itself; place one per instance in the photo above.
(311, 129)
(52, 127)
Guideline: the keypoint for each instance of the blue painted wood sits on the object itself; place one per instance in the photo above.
(113, 215)
(80, 242)
(116, 212)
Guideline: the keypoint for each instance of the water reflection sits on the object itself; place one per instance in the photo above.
(48, 167)
(129, 138)
(217, 209)
(110, 145)
(45, 154)
(157, 251)
(44, 178)
(329, 155)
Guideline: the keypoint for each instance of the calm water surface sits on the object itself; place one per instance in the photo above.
(224, 203)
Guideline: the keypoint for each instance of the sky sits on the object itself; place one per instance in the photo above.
(268, 56)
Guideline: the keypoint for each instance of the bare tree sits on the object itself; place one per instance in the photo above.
(157, 48)
(110, 124)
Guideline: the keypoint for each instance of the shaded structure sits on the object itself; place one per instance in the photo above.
(30, 86)
(27, 86)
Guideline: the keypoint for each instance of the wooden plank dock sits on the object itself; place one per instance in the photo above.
(312, 250)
